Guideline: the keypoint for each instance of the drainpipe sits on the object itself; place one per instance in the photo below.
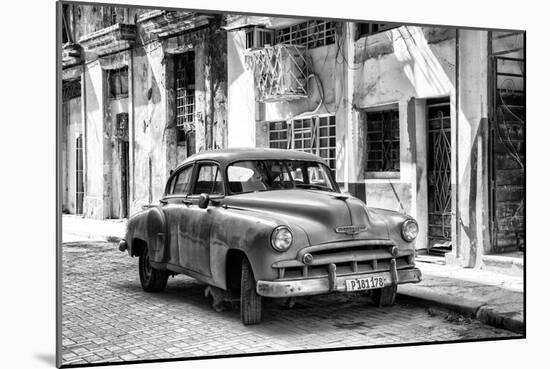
(457, 153)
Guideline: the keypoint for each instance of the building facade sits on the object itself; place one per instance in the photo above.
(424, 120)
(143, 89)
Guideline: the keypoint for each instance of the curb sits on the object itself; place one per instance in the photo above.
(469, 308)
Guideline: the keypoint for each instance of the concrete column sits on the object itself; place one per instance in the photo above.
(471, 150)
(93, 95)
(241, 129)
(421, 181)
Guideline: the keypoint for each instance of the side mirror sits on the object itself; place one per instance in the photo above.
(204, 200)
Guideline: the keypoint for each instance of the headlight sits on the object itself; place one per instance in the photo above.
(281, 238)
(409, 230)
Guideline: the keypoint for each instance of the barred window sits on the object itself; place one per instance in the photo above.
(118, 83)
(382, 132)
(313, 33)
(185, 90)
(278, 135)
(316, 135)
(367, 29)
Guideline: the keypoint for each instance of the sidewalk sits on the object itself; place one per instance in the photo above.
(493, 298)
(77, 228)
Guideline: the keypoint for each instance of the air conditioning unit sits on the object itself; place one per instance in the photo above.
(257, 37)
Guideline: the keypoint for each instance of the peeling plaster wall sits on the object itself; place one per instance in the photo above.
(150, 127)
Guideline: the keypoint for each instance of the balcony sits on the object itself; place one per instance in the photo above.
(109, 40)
(164, 23)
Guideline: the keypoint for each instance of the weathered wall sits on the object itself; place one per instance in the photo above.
(472, 207)
(150, 127)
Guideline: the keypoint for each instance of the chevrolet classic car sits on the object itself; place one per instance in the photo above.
(268, 223)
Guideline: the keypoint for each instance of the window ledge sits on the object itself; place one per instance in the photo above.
(382, 175)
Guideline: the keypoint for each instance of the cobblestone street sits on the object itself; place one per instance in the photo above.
(107, 317)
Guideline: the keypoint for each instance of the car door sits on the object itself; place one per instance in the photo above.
(174, 208)
(194, 243)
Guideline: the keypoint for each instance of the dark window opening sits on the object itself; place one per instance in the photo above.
(71, 89)
(118, 83)
(382, 142)
(367, 29)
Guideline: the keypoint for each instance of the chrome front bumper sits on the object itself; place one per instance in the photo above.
(332, 283)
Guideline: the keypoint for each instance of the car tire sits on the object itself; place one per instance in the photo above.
(251, 302)
(152, 280)
(384, 296)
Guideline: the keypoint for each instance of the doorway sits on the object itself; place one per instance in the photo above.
(439, 176)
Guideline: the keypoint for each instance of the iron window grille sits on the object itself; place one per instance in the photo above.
(118, 83)
(315, 135)
(382, 141)
(185, 91)
(368, 29)
(313, 33)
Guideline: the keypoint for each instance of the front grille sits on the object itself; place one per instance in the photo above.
(348, 260)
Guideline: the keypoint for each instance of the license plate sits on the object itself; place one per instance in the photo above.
(366, 283)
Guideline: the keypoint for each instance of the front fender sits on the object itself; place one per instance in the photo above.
(149, 226)
(250, 232)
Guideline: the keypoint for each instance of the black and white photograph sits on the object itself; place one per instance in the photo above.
(242, 183)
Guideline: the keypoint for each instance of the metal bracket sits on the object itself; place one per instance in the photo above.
(393, 271)
(332, 277)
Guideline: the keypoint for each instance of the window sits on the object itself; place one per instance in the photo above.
(258, 37)
(382, 131)
(181, 181)
(313, 33)
(367, 29)
(71, 89)
(209, 180)
(270, 175)
(278, 135)
(118, 83)
(185, 90)
(316, 135)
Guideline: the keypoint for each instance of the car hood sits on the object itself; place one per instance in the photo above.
(317, 213)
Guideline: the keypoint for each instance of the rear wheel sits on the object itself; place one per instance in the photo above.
(251, 302)
(384, 296)
(152, 280)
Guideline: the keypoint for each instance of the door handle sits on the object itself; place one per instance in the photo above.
(187, 202)
(163, 202)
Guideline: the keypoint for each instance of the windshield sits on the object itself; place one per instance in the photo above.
(267, 175)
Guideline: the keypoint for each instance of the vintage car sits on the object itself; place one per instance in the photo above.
(268, 223)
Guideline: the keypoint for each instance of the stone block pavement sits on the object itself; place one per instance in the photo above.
(107, 317)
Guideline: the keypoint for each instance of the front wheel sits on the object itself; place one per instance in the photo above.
(384, 296)
(152, 280)
(251, 302)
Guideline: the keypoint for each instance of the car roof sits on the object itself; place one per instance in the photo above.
(226, 156)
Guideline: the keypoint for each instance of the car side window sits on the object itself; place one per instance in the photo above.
(209, 180)
(182, 182)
